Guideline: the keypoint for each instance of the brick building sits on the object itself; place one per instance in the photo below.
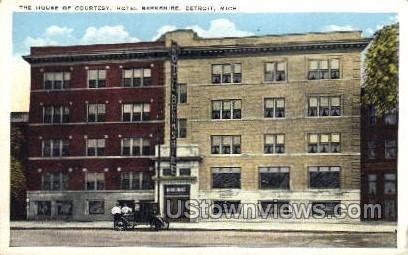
(95, 117)
(266, 120)
(379, 144)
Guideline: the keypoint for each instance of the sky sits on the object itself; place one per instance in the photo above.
(42, 29)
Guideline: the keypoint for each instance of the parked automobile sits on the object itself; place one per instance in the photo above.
(143, 213)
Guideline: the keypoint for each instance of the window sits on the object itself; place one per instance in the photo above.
(274, 108)
(135, 147)
(181, 128)
(226, 73)
(327, 208)
(96, 78)
(96, 207)
(54, 181)
(95, 181)
(225, 144)
(182, 93)
(324, 69)
(95, 147)
(226, 109)
(57, 80)
(137, 77)
(226, 207)
(274, 177)
(55, 114)
(55, 148)
(274, 144)
(167, 172)
(43, 208)
(390, 149)
(372, 184)
(135, 112)
(323, 143)
(96, 112)
(185, 172)
(371, 115)
(324, 106)
(275, 71)
(226, 177)
(371, 149)
(275, 208)
(390, 117)
(134, 181)
(324, 177)
(390, 184)
(64, 208)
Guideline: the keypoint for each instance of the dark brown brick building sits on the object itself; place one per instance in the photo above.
(95, 114)
(379, 137)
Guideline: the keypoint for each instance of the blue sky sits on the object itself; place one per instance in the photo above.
(40, 29)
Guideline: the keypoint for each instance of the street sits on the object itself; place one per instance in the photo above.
(189, 238)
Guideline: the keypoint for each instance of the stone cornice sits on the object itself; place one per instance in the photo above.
(200, 52)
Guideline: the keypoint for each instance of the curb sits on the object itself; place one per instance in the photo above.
(212, 229)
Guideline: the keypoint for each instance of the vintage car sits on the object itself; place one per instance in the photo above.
(143, 213)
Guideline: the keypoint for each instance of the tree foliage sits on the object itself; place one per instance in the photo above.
(17, 177)
(380, 78)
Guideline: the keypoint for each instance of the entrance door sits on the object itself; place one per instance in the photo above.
(175, 198)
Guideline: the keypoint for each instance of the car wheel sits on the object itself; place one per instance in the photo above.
(155, 225)
(120, 226)
(166, 224)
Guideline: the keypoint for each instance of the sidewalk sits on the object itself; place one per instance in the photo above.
(234, 225)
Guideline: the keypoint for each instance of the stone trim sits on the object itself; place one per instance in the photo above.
(200, 52)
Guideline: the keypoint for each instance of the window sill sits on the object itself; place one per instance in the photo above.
(88, 157)
(225, 119)
(226, 189)
(274, 189)
(226, 155)
(223, 84)
(324, 117)
(95, 123)
(324, 153)
(275, 82)
(272, 118)
(336, 79)
(318, 190)
(100, 88)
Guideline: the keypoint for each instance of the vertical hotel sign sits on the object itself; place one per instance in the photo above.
(173, 107)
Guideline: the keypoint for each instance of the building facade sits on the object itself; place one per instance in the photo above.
(96, 114)
(267, 121)
(379, 138)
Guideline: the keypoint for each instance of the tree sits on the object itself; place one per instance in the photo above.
(17, 179)
(380, 77)
(17, 176)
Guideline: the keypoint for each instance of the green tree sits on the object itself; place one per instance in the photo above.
(380, 77)
(17, 179)
(17, 176)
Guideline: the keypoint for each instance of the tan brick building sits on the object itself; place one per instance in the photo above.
(266, 120)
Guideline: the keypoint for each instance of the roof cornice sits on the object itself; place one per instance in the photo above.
(200, 52)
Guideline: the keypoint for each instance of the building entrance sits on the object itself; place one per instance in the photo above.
(175, 198)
